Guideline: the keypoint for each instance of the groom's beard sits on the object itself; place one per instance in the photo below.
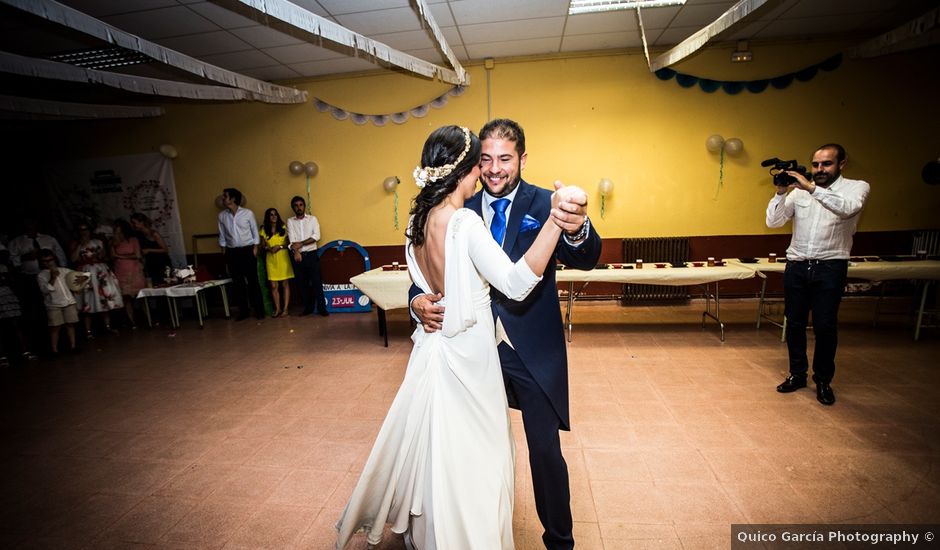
(509, 188)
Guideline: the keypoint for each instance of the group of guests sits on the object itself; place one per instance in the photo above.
(103, 270)
(290, 251)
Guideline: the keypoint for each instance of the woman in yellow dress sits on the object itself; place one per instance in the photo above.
(280, 272)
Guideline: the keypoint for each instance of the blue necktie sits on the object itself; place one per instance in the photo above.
(498, 225)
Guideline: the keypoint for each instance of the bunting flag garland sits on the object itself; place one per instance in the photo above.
(400, 117)
(734, 87)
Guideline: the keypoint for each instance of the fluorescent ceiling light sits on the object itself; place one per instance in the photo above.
(592, 6)
(102, 58)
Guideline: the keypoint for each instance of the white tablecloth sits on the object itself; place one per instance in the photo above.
(386, 289)
(651, 275)
(870, 271)
(389, 289)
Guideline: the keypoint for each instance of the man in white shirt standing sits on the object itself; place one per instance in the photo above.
(24, 249)
(24, 255)
(238, 237)
(825, 213)
(303, 230)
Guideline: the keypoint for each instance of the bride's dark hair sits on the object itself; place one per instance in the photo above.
(443, 147)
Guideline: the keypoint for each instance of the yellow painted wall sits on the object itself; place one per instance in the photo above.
(586, 118)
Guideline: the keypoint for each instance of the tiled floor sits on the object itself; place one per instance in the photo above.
(251, 435)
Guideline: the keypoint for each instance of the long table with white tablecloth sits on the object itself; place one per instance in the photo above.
(193, 290)
(388, 289)
(703, 275)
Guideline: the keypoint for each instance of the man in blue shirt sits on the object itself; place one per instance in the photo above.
(238, 237)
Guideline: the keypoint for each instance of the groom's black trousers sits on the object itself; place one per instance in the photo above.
(549, 470)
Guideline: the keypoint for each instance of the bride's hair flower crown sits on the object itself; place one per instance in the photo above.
(425, 174)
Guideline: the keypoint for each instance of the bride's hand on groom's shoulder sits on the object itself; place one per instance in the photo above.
(569, 207)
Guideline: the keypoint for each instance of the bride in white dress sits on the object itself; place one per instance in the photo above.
(441, 469)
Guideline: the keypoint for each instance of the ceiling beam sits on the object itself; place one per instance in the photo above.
(44, 68)
(919, 32)
(425, 14)
(74, 19)
(309, 22)
(62, 109)
(693, 43)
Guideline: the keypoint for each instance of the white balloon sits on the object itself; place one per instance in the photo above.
(714, 143)
(168, 151)
(390, 183)
(296, 167)
(311, 168)
(606, 187)
(734, 146)
(220, 203)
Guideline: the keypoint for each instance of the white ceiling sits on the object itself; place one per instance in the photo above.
(475, 29)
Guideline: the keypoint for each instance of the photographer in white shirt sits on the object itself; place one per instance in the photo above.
(825, 212)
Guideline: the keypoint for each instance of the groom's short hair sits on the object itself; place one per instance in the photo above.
(504, 128)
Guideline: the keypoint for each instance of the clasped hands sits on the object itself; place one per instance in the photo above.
(569, 207)
(569, 212)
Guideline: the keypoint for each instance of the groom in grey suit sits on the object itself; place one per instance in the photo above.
(530, 333)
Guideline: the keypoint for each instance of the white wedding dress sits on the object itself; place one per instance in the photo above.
(442, 464)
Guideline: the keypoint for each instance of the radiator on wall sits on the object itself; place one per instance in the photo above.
(653, 250)
(928, 241)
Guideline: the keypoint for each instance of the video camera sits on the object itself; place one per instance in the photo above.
(778, 171)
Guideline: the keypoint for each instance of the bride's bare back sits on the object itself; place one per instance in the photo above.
(430, 255)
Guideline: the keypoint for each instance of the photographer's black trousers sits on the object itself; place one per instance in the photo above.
(817, 286)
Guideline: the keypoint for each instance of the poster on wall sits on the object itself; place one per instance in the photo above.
(100, 190)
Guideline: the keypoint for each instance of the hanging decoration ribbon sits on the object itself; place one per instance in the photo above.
(400, 117)
(734, 87)
(721, 172)
(717, 144)
(310, 169)
(605, 187)
(391, 186)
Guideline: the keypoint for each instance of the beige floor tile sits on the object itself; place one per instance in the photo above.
(631, 535)
(624, 501)
(677, 465)
(212, 523)
(149, 520)
(839, 502)
(698, 502)
(253, 483)
(770, 502)
(273, 527)
(616, 465)
(306, 488)
(742, 466)
(197, 481)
